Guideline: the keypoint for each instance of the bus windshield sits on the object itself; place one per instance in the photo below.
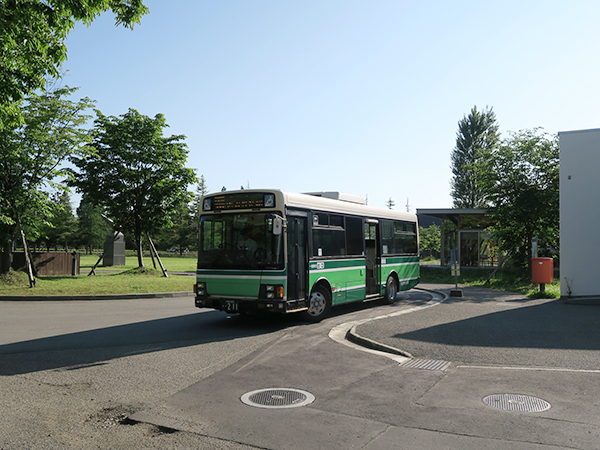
(239, 241)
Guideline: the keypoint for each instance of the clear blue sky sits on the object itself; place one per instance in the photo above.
(356, 96)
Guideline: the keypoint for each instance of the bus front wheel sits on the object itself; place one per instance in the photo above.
(391, 289)
(319, 305)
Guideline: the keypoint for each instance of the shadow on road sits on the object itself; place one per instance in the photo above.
(93, 347)
(72, 351)
(549, 325)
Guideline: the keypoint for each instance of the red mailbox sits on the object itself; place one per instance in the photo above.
(542, 270)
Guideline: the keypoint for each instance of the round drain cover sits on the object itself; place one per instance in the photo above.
(516, 402)
(277, 398)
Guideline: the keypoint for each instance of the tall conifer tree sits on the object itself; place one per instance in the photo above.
(477, 135)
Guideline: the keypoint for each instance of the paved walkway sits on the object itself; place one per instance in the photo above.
(488, 326)
(535, 363)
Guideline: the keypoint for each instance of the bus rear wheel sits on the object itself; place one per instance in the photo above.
(319, 305)
(391, 289)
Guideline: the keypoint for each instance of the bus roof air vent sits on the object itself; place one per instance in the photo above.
(342, 196)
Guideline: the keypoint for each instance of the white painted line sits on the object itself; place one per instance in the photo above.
(531, 369)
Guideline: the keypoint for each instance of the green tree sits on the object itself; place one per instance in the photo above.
(135, 173)
(32, 35)
(521, 178)
(430, 238)
(30, 162)
(477, 134)
(201, 191)
(91, 226)
(62, 225)
(183, 233)
(195, 211)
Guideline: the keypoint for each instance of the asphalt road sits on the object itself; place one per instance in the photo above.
(72, 372)
(158, 373)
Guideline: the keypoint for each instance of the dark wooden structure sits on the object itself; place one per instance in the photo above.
(49, 263)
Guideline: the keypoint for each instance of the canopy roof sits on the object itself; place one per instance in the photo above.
(475, 218)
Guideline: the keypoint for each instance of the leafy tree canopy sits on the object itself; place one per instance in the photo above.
(91, 226)
(521, 181)
(135, 173)
(61, 230)
(32, 154)
(183, 235)
(201, 191)
(430, 238)
(32, 34)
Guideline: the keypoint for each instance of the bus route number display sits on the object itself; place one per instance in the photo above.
(242, 201)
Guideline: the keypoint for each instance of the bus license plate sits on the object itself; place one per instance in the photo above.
(231, 305)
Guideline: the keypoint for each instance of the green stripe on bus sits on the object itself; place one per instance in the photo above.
(239, 283)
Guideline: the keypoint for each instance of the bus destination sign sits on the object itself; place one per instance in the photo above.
(251, 200)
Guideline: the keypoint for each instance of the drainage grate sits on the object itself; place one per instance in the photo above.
(516, 402)
(427, 364)
(278, 398)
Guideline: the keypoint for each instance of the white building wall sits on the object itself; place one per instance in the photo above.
(580, 213)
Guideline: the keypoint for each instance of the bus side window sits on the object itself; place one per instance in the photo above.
(354, 236)
(405, 237)
(336, 221)
(387, 237)
(330, 241)
(320, 219)
(329, 235)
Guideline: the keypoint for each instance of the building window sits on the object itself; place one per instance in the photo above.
(477, 249)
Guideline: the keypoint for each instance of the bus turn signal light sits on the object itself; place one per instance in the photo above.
(274, 291)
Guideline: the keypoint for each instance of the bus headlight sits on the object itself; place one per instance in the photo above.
(273, 291)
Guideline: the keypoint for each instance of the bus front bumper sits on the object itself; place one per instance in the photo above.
(250, 305)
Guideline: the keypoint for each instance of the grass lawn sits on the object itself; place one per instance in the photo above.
(503, 280)
(108, 280)
(173, 263)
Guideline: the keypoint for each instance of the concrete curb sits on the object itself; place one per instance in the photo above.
(353, 336)
(60, 298)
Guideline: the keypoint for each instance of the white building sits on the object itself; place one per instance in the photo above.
(579, 213)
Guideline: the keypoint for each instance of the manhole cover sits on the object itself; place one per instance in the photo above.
(516, 402)
(277, 398)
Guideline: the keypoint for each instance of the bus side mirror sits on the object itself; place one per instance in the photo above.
(277, 226)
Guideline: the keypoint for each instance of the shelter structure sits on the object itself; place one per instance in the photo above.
(465, 237)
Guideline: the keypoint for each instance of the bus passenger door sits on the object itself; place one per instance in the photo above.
(297, 258)
(371, 254)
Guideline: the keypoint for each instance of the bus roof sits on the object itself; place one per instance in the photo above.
(330, 201)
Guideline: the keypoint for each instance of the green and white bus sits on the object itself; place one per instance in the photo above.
(276, 251)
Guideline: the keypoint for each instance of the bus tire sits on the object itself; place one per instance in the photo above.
(319, 305)
(391, 289)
